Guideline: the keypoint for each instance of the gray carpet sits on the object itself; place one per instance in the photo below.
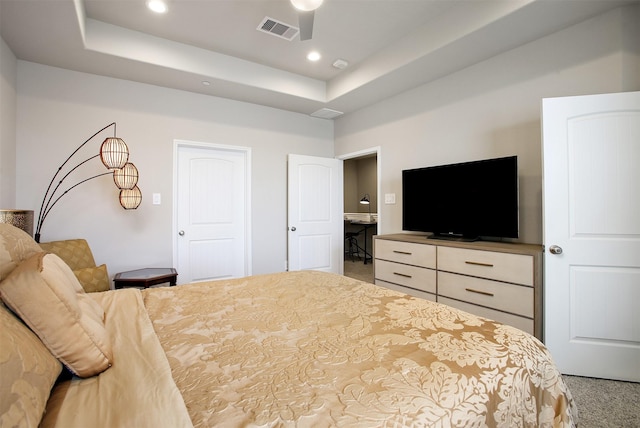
(605, 403)
(601, 403)
(357, 269)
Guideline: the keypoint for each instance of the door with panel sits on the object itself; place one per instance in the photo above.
(212, 238)
(591, 187)
(315, 214)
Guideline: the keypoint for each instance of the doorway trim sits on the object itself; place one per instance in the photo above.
(366, 152)
(246, 151)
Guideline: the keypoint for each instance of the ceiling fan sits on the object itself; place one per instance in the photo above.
(306, 11)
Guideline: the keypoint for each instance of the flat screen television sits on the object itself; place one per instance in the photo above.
(465, 201)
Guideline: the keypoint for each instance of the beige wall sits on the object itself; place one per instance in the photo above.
(58, 109)
(8, 64)
(487, 110)
(360, 178)
(492, 109)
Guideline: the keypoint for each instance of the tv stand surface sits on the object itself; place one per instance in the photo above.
(452, 237)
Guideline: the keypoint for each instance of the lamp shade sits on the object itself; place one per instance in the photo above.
(126, 177)
(130, 199)
(114, 153)
(306, 5)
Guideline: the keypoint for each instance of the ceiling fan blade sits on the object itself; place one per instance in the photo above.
(305, 21)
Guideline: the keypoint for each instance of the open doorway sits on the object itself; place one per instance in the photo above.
(361, 216)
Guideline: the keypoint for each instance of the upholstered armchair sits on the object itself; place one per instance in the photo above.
(77, 254)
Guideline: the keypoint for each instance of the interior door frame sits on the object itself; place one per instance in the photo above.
(246, 152)
(377, 150)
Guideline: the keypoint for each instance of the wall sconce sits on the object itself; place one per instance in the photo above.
(114, 155)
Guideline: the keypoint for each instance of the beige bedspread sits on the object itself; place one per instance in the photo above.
(136, 391)
(317, 349)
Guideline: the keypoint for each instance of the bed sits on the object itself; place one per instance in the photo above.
(286, 349)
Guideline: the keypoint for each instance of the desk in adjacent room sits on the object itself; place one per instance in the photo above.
(366, 225)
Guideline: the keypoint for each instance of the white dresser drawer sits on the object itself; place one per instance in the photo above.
(506, 297)
(516, 268)
(522, 323)
(406, 252)
(407, 290)
(406, 275)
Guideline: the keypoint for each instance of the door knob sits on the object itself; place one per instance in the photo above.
(293, 228)
(181, 233)
(554, 249)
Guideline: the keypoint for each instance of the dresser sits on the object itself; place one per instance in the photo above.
(497, 280)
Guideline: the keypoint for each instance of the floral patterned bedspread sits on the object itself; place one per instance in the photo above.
(318, 349)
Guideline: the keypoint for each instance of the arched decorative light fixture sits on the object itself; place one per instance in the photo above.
(130, 199)
(114, 154)
(126, 177)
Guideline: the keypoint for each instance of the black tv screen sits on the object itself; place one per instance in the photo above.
(464, 200)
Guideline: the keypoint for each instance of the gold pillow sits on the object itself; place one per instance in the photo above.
(93, 279)
(45, 293)
(15, 246)
(27, 373)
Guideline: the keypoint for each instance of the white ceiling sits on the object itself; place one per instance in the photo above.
(391, 45)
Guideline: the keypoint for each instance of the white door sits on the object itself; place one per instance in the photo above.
(591, 188)
(315, 214)
(211, 229)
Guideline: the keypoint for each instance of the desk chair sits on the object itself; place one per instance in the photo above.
(353, 249)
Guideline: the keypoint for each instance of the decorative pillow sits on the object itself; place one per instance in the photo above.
(27, 373)
(15, 246)
(93, 279)
(45, 293)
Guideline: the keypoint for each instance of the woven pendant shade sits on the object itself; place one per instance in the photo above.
(114, 153)
(130, 199)
(126, 177)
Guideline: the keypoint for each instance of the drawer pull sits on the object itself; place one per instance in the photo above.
(486, 293)
(402, 252)
(402, 274)
(479, 264)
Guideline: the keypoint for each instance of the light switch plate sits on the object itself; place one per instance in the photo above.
(157, 199)
(389, 198)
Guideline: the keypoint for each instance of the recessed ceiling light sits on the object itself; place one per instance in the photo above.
(306, 5)
(313, 56)
(206, 83)
(158, 6)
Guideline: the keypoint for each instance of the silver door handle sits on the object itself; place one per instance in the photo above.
(181, 233)
(554, 249)
(293, 228)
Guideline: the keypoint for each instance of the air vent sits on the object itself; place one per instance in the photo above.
(278, 28)
(326, 113)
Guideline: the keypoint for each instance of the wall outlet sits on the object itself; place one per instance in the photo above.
(389, 198)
